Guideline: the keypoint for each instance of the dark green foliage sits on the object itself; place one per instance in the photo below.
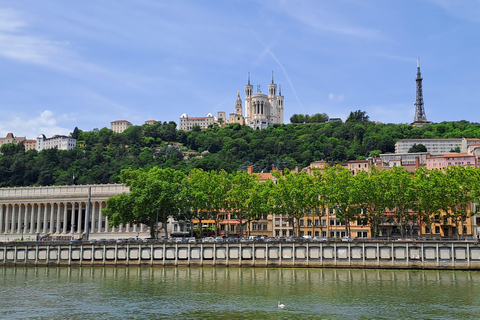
(101, 154)
(418, 148)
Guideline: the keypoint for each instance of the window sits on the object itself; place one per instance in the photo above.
(265, 226)
(316, 222)
(332, 222)
(437, 229)
(324, 222)
(309, 223)
(277, 221)
(302, 223)
(317, 233)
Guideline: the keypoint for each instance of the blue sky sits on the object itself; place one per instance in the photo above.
(86, 63)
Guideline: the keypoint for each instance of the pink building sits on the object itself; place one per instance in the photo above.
(452, 159)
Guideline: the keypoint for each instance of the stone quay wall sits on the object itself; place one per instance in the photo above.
(388, 255)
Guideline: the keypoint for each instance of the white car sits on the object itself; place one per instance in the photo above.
(208, 240)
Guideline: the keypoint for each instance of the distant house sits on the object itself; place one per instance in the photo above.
(119, 126)
(452, 159)
(59, 142)
(151, 121)
(334, 120)
(10, 138)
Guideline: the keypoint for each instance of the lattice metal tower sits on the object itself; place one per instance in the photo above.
(420, 117)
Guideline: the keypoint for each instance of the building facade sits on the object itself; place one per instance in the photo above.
(119, 126)
(261, 110)
(59, 142)
(187, 123)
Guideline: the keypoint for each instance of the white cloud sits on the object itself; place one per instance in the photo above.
(45, 122)
(336, 98)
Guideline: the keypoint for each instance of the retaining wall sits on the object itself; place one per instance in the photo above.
(395, 255)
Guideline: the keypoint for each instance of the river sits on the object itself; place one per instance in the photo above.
(236, 293)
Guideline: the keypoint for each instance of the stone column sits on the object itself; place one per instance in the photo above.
(32, 220)
(72, 219)
(52, 215)
(92, 217)
(25, 218)
(86, 217)
(100, 216)
(65, 219)
(14, 216)
(45, 217)
(7, 218)
(1, 218)
(79, 221)
(21, 209)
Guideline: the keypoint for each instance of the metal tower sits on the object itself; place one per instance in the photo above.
(420, 117)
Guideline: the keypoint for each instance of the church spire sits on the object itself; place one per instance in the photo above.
(272, 77)
(420, 117)
(249, 78)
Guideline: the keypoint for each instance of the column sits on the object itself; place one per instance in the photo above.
(52, 213)
(100, 216)
(65, 212)
(14, 222)
(7, 217)
(72, 219)
(32, 215)
(45, 217)
(25, 218)
(1, 218)
(80, 222)
(92, 217)
(21, 209)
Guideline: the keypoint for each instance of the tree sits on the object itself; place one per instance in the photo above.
(295, 195)
(357, 116)
(239, 197)
(417, 148)
(154, 193)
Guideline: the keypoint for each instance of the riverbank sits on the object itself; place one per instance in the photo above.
(455, 255)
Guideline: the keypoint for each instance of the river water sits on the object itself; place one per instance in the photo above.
(236, 293)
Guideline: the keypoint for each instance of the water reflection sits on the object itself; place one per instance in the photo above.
(236, 293)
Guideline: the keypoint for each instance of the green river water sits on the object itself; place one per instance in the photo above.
(236, 293)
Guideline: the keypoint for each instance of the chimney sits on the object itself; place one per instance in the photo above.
(273, 168)
(250, 170)
(416, 162)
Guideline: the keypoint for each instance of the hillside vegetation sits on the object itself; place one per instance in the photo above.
(101, 154)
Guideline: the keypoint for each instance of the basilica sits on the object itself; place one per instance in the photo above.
(261, 110)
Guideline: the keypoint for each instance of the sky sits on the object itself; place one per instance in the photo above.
(67, 64)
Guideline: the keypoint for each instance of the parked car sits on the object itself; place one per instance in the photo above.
(231, 239)
(299, 239)
(271, 239)
(346, 239)
(208, 240)
(179, 240)
(319, 239)
(307, 238)
(192, 240)
(219, 239)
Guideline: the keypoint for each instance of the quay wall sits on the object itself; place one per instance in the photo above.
(387, 255)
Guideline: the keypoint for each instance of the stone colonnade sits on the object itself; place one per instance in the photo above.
(58, 211)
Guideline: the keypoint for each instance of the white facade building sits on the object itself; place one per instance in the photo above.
(187, 123)
(59, 142)
(261, 110)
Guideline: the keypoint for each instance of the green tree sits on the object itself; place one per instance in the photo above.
(154, 193)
